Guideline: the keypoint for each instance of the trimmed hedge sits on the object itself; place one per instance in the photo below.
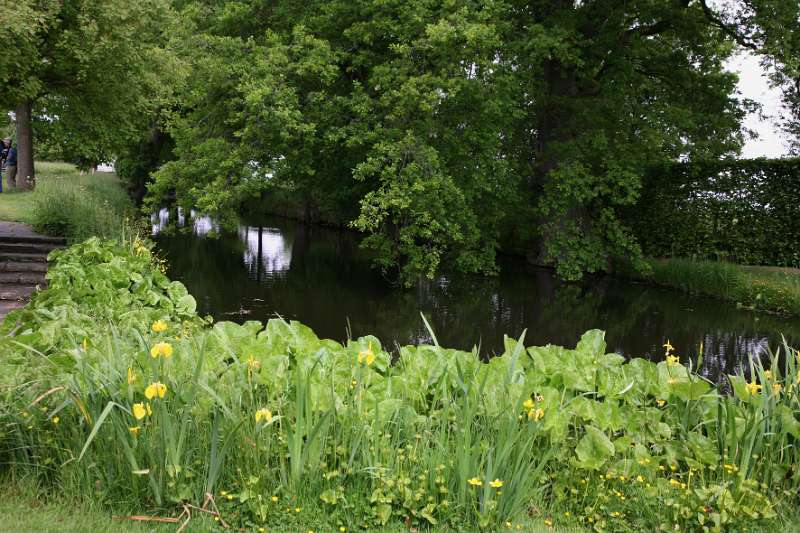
(745, 211)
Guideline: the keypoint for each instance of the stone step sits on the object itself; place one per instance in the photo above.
(8, 306)
(28, 247)
(23, 258)
(32, 239)
(26, 266)
(21, 278)
(16, 293)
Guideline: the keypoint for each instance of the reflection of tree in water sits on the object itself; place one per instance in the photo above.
(321, 277)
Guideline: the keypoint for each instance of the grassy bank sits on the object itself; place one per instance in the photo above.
(67, 204)
(24, 508)
(113, 390)
(763, 288)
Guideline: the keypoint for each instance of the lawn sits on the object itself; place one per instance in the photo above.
(18, 206)
(764, 288)
(23, 509)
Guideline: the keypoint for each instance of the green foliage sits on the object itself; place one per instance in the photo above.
(758, 288)
(742, 211)
(269, 418)
(441, 130)
(93, 70)
(78, 207)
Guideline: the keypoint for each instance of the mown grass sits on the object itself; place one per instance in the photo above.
(763, 288)
(24, 507)
(67, 204)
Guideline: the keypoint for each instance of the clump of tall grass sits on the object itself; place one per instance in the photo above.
(756, 287)
(79, 207)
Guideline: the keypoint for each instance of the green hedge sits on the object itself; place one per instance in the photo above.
(746, 211)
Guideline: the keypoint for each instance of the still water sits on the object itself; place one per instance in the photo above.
(320, 277)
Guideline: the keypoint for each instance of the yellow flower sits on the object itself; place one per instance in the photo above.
(768, 374)
(56, 420)
(85, 344)
(536, 414)
(155, 389)
(131, 376)
(253, 364)
(274, 498)
(669, 347)
(548, 522)
(134, 430)
(660, 403)
(162, 348)
(615, 514)
(475, 482)
(527, 404)
(366, 356)
(297, 509)
(261, 530)
(342, 529)
(639, 479)
(753, 388)
(139, 411)
(496, 484)
(264, 414)
(776, 388)
(159, 326)
(673, 360)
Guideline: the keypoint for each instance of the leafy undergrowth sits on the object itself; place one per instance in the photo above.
(113, 389)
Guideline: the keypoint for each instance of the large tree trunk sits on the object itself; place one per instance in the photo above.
(25, 172)
(555, 123)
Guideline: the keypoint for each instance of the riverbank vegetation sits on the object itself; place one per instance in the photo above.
(115, 390)
(68, 204)
(762, 288)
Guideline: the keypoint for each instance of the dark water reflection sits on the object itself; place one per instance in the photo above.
(320, 277)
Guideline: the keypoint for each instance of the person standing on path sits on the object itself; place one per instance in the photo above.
(11, 164)
(4, 147)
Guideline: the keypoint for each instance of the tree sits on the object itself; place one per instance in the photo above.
(444, 130)
(83, 67)
(770, 29)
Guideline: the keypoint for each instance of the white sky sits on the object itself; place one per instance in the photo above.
(753, 84)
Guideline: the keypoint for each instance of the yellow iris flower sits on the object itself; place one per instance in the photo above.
(753, 387)
(673, 360)
(366, 356)
(527, 404)
(536, 414)
(496, 484)
(161, 349)
(155, 389)
(159, 326)
(139, 411)
(475, 482)
(131, 376)
(264, 414)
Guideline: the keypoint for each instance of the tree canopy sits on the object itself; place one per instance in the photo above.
(85, 71)
(444, 131)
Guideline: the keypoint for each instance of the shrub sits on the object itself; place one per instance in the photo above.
(745, 211)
